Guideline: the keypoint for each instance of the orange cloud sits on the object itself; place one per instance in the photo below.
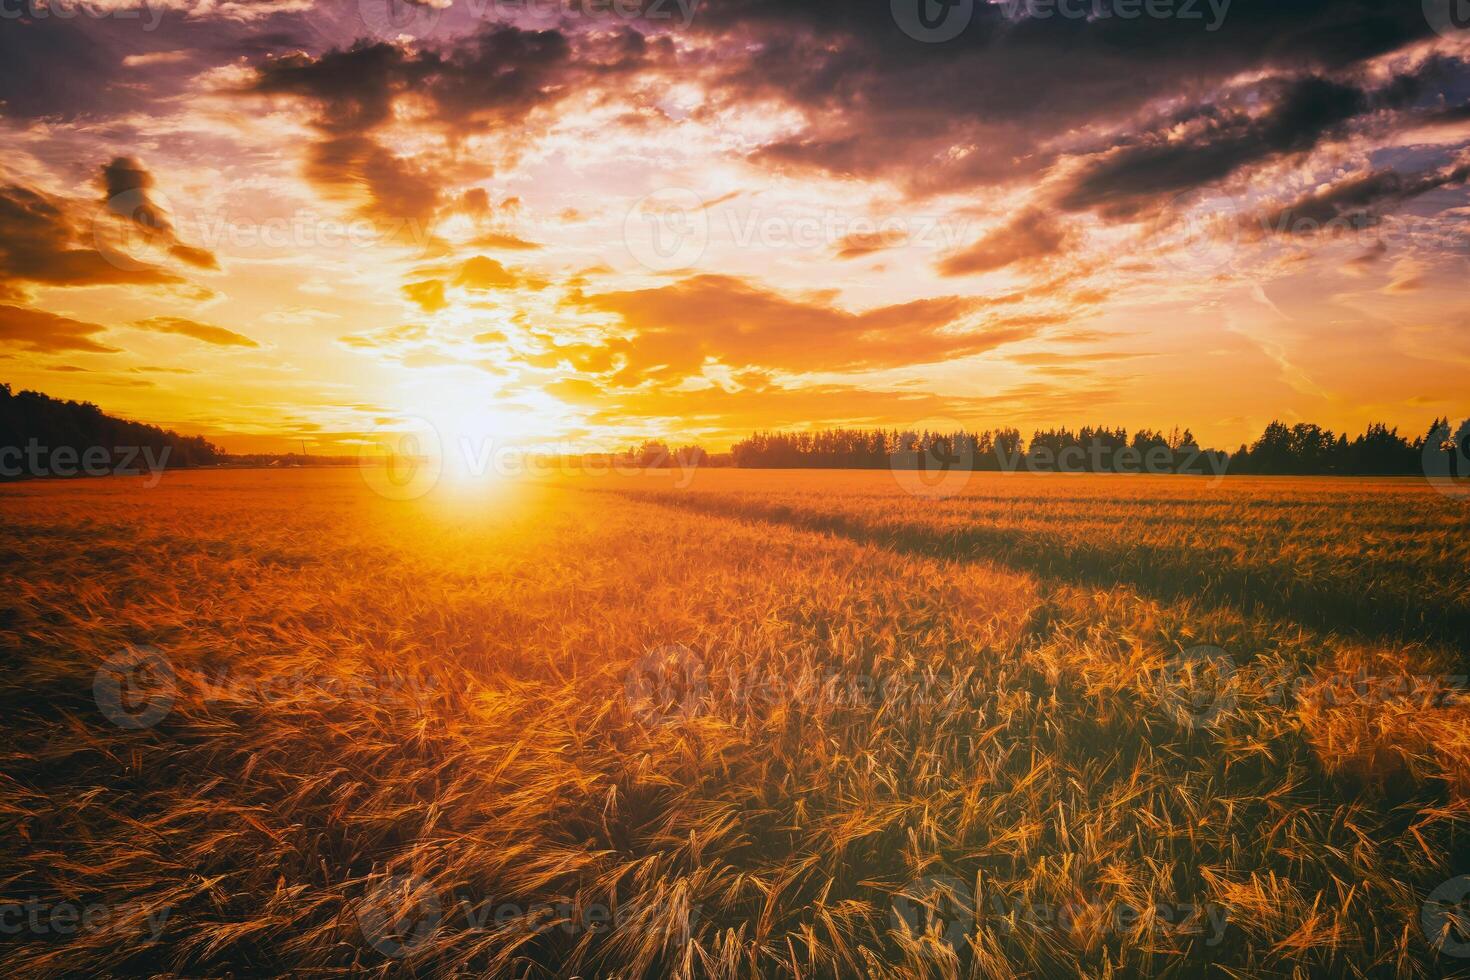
(38, 330)
(677, 328)
(1029, 238)
(128, 187)
(428, 294)
(503, 241)
(218, 336)
(480, 272)
(42, 242)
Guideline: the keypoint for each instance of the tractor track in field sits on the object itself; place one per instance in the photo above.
(1164, 574)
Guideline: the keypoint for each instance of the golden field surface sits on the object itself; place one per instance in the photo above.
(768, 723)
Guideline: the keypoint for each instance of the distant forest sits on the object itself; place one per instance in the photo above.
(68, 430)
(30, 418)
(1301, 449)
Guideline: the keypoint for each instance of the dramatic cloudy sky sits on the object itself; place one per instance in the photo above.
(551, 220)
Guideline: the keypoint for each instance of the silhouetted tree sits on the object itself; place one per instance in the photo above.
(37, 426)
(652, 455)
(1460, 446)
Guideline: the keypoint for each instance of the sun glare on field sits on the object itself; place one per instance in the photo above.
(471, 441)
(447, 441)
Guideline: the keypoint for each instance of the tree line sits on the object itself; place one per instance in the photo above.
(45, 436)
(37, 426)
(1302, 449)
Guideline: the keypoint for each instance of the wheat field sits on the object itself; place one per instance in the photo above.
(763, 724)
